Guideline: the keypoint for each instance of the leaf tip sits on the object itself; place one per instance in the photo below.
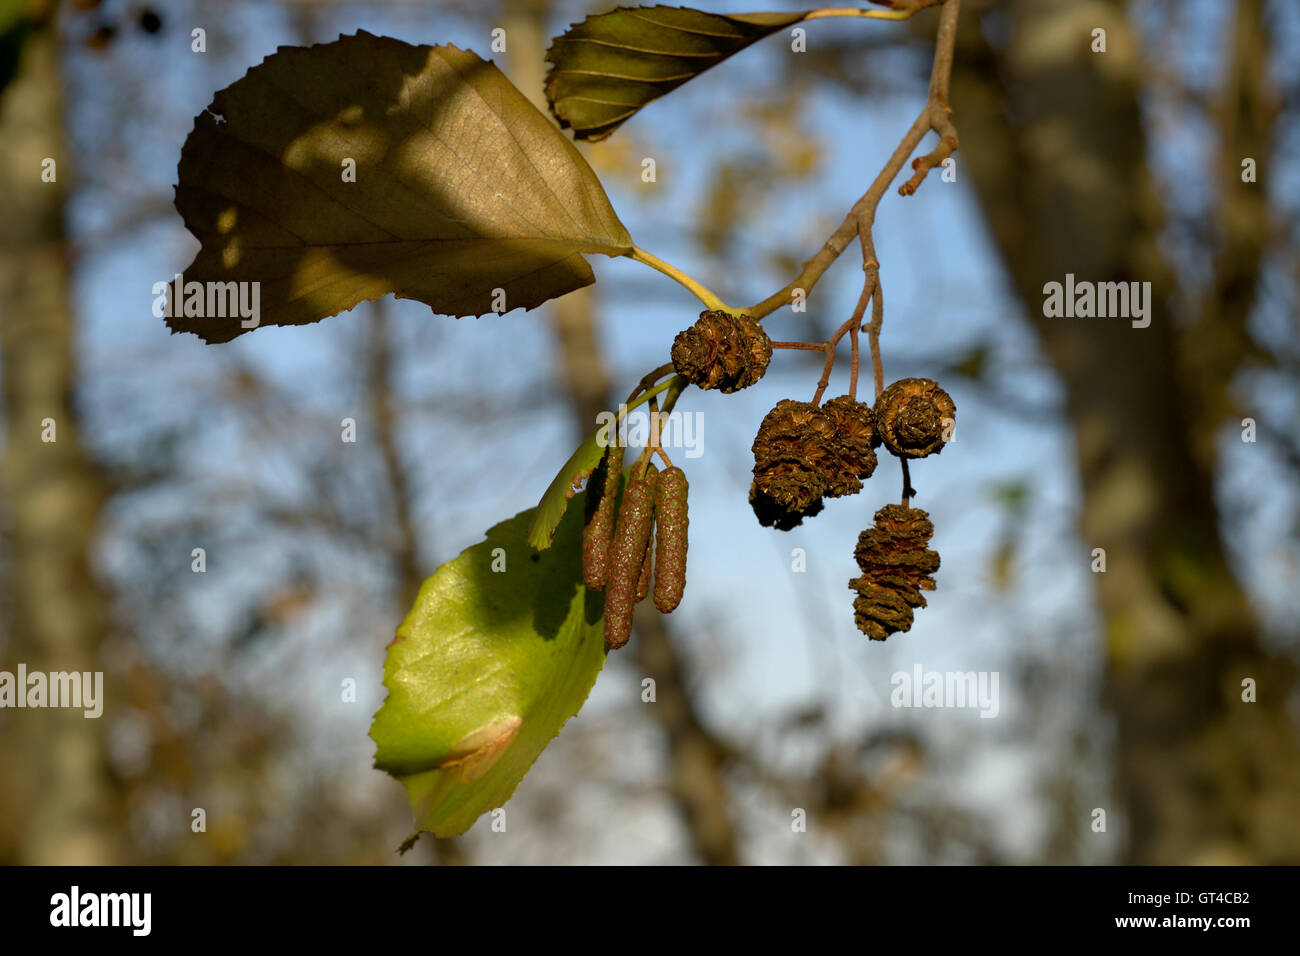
(408, 843)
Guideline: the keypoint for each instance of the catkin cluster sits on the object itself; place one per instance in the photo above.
(803, 454)
(634, 538)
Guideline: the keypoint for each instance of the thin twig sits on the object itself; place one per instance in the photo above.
(854, 324)
(829, 346)
(873, 336)
(648, 380)
(871, 284)
(937, 108)
(672, 386)
(853, 368)
(908, 491)
(676, 385)
(826, 375)
(850, 328)
(642, 463)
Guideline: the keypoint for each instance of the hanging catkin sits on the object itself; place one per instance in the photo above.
(647, 566)
(598, 531)
(626, 557)
(670, 539)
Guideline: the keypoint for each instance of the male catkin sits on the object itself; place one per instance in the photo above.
(670, 539)
(647, 566)
(627, 554)
(598, 531)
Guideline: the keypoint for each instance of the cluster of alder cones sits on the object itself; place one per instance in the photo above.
(636, 531)
(805, 452)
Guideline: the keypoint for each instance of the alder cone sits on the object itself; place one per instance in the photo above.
(627, 557)
(791, 457)
(804, 452)
(722, 351)
(853, 436)
(910, 416)
(773, 513)
(896, 567)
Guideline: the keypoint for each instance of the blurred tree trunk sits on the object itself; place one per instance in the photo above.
(1053, 139)
(578, 350)
(696, 758)
(51, 490)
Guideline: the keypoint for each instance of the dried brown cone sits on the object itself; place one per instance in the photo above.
(671, 523)
(853, 435)
(912, 417)
(722, 351)
(627, 557)
(896, 567)
(773, 512)
(792, 455)
(602, 497)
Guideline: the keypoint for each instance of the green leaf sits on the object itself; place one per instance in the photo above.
(610, 65)
(485, 670)
(462, 188)
(555, 499)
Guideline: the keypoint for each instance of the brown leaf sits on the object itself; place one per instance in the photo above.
(462, 188)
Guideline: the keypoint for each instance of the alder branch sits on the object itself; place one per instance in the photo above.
(873, 335)
(937, 109)
(935, 116)
(648, 380)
